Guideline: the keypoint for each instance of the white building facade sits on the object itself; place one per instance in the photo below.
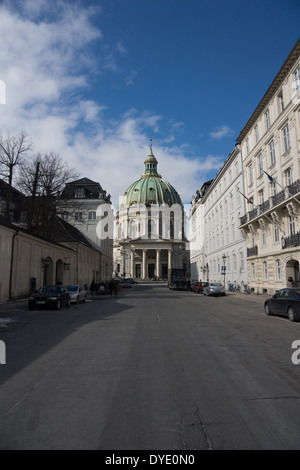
(218, 249)
(270, 144)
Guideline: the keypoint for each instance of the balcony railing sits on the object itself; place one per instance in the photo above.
(273, 201)
(278, 198)
(294, 188)
(253, 251)
(292, 240)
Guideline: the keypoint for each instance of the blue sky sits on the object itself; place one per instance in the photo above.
(95, 80)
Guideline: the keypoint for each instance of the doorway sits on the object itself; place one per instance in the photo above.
(292, 270)
(151, 270)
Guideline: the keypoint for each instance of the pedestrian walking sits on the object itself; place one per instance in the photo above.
(93, 288)
(111, 288)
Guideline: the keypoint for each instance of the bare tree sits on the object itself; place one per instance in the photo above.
(43, 179)
(13, 149)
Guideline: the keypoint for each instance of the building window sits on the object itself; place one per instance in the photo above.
(92, 215)
(80, 192)
(253, 271)
(250, 169)
(280, 102)
(286, 137)
(261, 196)
(289, 177)
(265, 269)
(291, 225)
(297, 78)
(267, 117)
(263, 238)
(247, 146)
(260, 164)
(272, 152)
(278, 270)
(256, 133)
(276, 233)
(233, 231)
(232, 202)
(78, 215)
(242, 267)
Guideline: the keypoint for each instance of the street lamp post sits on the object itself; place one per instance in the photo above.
(224, 268)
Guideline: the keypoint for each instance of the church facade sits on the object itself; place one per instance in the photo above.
(150, 228)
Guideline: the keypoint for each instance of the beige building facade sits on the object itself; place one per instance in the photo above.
(28, 262)
(270, 146)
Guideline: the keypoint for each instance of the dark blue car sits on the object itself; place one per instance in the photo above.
(284, 302)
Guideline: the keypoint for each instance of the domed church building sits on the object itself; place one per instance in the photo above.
(150, 223)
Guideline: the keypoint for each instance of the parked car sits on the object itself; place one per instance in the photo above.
(214, 288)
(284, 302)
(199, 286)
(130, 280)
(77, 293)
(51, 297)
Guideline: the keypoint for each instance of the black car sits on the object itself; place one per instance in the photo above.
(284, 302)
(130, 280)
(49, 297)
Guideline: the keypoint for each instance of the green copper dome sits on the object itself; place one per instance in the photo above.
(150, 188)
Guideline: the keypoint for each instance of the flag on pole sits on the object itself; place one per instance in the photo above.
(248, 200)
(269, 176)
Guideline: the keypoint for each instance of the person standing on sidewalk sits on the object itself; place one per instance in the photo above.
(93, 288)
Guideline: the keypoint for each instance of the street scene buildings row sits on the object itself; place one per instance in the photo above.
(243, 224)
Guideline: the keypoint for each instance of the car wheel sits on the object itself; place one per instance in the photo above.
(84, 299)
(291, 314)
(58, 305)
(267, 310)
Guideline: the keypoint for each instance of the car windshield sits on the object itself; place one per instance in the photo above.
(50, 289)
(72, 288)
(216, 284)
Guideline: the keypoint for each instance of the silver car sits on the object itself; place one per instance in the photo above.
(77, 293)
(214, 288)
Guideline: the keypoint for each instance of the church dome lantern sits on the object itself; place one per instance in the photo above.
(151, 188)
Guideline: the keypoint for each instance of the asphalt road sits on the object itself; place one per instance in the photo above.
(151, 369)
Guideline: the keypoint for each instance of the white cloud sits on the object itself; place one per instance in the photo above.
(46, 57)
(220, 132)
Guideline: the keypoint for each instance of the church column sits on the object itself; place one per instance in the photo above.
(144, 264)
(132, 267)
(170, 258)
(157, 270)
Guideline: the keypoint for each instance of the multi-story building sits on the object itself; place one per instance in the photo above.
(270, 144)
(218, 250)
(85, 205)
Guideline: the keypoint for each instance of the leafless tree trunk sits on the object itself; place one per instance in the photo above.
(43, 180)
(13, 149)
